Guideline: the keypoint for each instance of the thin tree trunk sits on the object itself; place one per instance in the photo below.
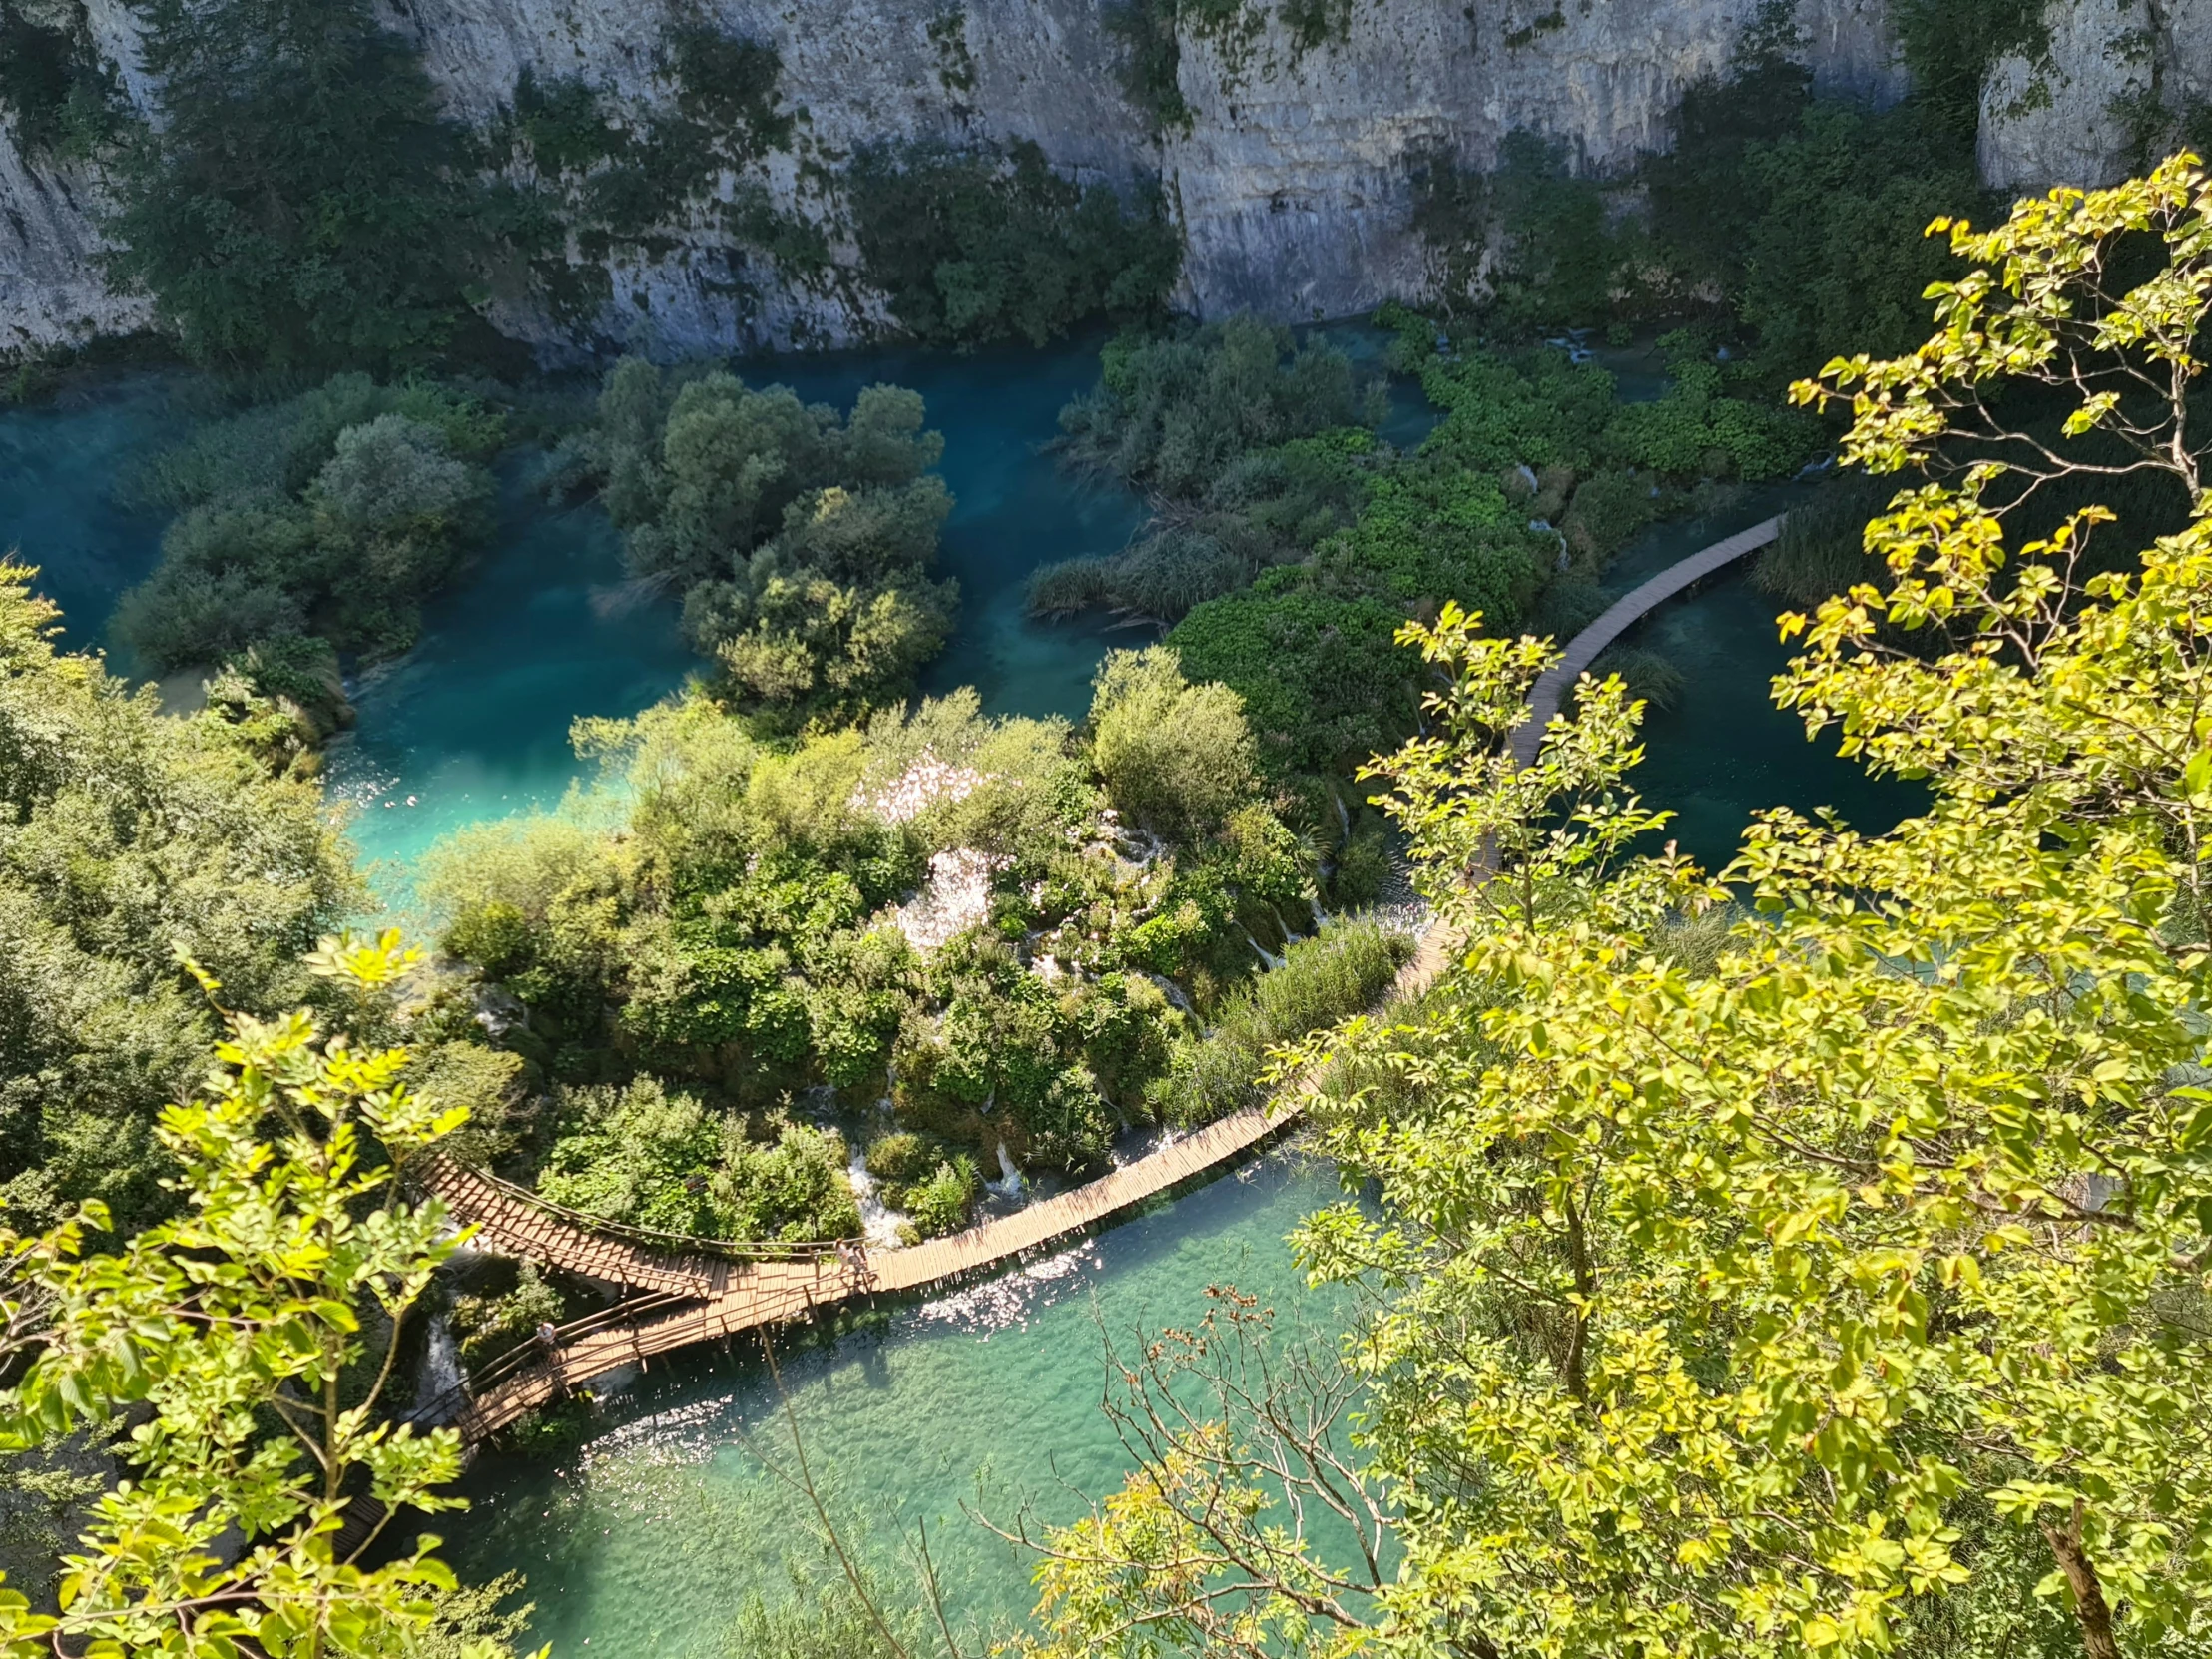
(2090, 1607)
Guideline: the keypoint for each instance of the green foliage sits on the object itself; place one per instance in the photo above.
(1322, 679)
(491, 1324)
(653, 1159)
(1829, 1278)
(621, 175)
(59, 96)
(1175, 757)
(1322, 980)
(1805, 211)
(1172, 413)
(803, 543)
(943, 1201)
(1949, 46)
(127, 832)
(973, 248)
(248, 1340)
(939, 907)
(298, 201)
(325, 518)
(1697, 429)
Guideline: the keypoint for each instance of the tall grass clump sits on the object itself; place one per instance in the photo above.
(1324, 980)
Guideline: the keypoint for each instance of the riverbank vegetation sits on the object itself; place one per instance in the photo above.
(1290, 542)
(307, 527)
(964, 943)
(1825, 1279)
(800, 542)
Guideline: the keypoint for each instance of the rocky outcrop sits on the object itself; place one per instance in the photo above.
(51, 292)
(2121, 83)
(1295, 177)
(1292, 179)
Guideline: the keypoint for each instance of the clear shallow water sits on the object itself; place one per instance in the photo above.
(59, 464)
(651, 1539)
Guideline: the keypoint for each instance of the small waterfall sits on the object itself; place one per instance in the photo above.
(1320, 917)
(1272, 961)
(1008, 1184)
(441, 1363)
(878, 1222)
(1343, 814)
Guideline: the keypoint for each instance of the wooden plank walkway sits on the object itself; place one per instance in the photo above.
(1551, 689)
(700, 1298)
(512, 1222)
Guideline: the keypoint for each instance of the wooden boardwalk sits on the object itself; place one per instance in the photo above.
(700, 1291)
(1551, 689)
(748, 1296)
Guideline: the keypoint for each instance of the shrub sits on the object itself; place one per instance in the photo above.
(1322, 980)
(945, 1201)
(973, 248)
(1175, 757)
(1173, 413)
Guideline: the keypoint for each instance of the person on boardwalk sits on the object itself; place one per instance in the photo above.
(549, 1339)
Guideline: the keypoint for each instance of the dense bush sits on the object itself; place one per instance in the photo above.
(298, 200)
(653, 1159)
(973, 248)
(1173, 413)
(320, 522)
(802, 542)
(1174, 757)
(128, 835)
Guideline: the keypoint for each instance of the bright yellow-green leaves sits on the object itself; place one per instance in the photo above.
(1843, 1285)
(252, 1337)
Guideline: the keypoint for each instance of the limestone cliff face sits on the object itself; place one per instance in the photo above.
(2116, 88)
(1292, 179)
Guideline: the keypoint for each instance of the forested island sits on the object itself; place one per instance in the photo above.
(1795, 1244)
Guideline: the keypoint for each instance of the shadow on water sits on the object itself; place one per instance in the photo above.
(59, 464)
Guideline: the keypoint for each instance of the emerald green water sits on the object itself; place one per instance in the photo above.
(652, 1538)
(473, 724)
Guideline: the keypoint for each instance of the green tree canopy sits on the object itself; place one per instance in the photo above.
(1829, 1278)
(296, 201)
(125, 835)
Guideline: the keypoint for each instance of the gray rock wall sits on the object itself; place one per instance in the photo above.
(2117, 87)
(1292, 179)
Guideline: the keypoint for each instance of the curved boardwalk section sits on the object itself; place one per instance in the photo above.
(746, 1296)
(680, 1292)
(1631, 607)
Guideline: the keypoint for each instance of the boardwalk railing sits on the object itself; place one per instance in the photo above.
(437, 1173)
(785, 1282)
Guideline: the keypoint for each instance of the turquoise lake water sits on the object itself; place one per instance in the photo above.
(652, 1538)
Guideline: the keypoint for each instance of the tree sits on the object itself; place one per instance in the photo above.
(1175, 757)
(125, 834)
(1839, 1285)
(296, 202)
(252, 1339)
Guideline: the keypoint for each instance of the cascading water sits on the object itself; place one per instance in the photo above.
(1008, 1184)
(878, 1221)
(441, 1363)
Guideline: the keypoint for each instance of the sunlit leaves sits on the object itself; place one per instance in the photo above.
(251, 1337)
